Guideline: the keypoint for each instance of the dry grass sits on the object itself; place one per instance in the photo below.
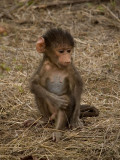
(96, 29)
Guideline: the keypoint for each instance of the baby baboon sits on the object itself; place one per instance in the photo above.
(57, 85)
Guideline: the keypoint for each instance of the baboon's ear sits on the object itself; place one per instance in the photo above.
(40, 45)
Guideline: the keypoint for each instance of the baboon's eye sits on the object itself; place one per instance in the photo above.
(61, 51)
(68, 50)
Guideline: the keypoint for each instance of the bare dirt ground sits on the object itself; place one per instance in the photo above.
(96, 29)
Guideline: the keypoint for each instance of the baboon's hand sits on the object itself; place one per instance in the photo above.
(60, 102)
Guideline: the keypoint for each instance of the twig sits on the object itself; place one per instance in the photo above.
(111, 13)
(50, 5)
(78, 40)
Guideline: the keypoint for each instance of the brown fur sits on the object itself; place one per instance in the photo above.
(57, 85)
